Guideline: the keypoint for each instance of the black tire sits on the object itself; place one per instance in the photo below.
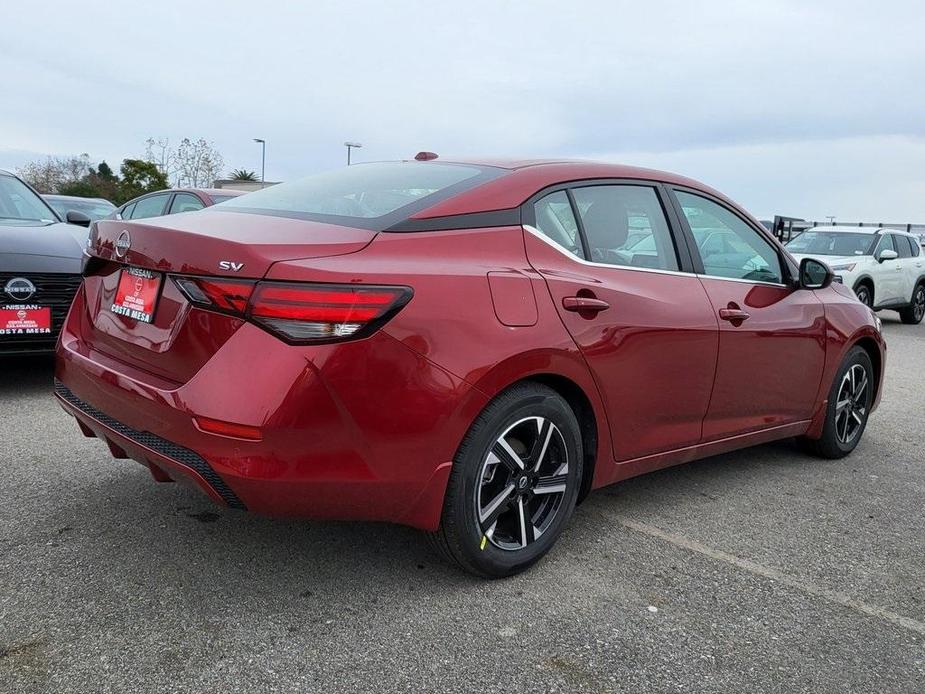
(835, 441)
(511, 547)
(865, 293)
(914, 312)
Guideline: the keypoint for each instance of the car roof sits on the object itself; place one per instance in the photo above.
(209, 191)
(527, 176)
(53, 196)
(859, 230)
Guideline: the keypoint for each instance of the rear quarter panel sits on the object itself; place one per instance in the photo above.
(451, 319)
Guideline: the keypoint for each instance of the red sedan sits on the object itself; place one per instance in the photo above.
(466, 348)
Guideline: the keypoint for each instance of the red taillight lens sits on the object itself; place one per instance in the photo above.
(227, 296)
(324, 312)
(299, 313)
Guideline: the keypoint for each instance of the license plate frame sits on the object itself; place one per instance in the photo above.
(137, 293)
(24, 319)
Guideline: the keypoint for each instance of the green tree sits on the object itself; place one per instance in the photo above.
(243, 175)
(139, 177)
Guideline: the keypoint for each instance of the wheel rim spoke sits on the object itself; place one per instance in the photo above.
(489, 515)
(541, 444)
(508, 457)
(527, 534)
(554, 484)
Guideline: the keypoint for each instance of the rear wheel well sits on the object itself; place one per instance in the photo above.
(870, 346)
(584, 412)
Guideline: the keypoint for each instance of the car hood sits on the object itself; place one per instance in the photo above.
(54, 248)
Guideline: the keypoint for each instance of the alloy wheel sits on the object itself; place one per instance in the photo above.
(863, 294)
(522, 484)
(851, 404)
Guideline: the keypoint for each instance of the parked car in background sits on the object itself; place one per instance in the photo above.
(93, 208)
(884, 267)
(468, 348)
(40, 259)
(173, 201)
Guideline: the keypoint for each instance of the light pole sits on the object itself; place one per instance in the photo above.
(349, 146)
(263, 158)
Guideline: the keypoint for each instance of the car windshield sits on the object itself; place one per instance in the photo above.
(364, 195)
(831, 243)
(94, 209)
(20, 206)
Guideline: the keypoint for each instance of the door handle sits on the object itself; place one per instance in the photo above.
(734, 315)
(584, 304)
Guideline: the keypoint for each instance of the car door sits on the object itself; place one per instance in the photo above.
(909, 273)
(771, 336)
(640, 317)
(888, 273)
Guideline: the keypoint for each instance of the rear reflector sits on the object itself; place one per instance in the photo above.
(235, 431)
(300, 313)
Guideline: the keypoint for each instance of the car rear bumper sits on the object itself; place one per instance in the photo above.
(361, 430)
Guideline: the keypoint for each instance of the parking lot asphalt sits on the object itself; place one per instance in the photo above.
(758, 571)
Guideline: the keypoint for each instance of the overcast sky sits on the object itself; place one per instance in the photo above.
(801, 108)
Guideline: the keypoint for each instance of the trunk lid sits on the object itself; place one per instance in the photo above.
(195, 243)
(181, 338)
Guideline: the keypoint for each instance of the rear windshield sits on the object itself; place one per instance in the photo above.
(369, 196)
(831, 243)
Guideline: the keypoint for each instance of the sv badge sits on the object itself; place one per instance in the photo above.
(229, 265)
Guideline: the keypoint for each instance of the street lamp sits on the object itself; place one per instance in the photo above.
(349, 146)
(263, 158)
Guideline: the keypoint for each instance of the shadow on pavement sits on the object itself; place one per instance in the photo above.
(26, 375)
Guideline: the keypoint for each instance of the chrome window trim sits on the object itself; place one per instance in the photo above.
(581, 261)
(568, 254)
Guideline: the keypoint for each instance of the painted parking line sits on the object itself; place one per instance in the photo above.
(832, 596)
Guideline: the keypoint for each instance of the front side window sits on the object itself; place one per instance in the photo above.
(149, 207)
(728, 246)
(626, 225)
(185, 202)
(884, 244)
(556, 221)
(20, 206)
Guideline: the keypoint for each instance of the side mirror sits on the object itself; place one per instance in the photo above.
(814, 274)
(887, 254)
(79, 218)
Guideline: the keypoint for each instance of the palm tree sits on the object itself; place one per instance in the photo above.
(243, 175)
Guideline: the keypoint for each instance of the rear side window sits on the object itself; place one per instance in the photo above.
(626, 225)
(371, 196)
(185, 202)
(149, 207)
(728, 246)
(916, 248)
(555, 219)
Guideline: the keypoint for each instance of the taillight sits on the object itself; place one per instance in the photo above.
(324, 312)
(300, 313)
(225, 296)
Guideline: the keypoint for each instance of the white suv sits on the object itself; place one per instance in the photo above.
(885, 267)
